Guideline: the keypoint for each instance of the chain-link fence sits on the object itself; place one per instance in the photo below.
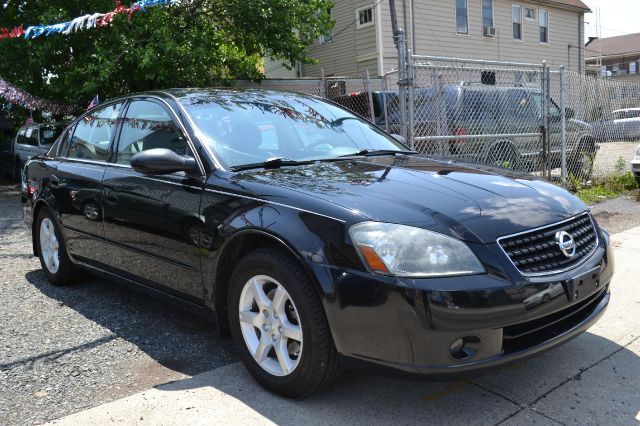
(484, 112)
(555, 123)
(558, 124)
(611, 110)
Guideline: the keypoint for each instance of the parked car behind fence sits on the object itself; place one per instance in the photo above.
(31, 141)
(620, 125)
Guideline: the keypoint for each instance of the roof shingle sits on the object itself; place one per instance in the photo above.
(578, 4)
(618, 45)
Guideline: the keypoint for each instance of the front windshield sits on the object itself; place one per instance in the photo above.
(249, 127)
(49, 133)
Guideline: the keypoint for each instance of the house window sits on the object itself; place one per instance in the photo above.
(516, 12)
(544, 26)
(530, 13)
(487, 15)
(633, 67)
(364, 17)
(327, 36)
(462, 17)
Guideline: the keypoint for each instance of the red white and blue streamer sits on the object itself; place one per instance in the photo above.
(83, 22)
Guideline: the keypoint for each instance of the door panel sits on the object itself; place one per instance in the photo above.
(153, 227)
(77, 187)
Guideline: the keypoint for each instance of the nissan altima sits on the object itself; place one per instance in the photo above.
(316, 241)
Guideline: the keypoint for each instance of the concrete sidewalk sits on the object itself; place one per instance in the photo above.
(594, 379)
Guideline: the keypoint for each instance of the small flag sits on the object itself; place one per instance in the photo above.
(29, 121)
(95, 101)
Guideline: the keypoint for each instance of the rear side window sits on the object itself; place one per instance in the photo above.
(31, 136)
(93, 134)
(49, 133)
(148, 125)
(63, 149)
(21, 139)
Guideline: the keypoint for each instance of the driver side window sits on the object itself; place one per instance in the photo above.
(148, 125)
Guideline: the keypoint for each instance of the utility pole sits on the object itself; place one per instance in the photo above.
(399, 41)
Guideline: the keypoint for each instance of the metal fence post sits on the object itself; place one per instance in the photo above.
(563, 126)
(545, 120)
(384, 102)
(323, 89)
(402, 81)
(367, 82)
(410, 109)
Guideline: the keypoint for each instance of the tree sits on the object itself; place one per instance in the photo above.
(190, 43)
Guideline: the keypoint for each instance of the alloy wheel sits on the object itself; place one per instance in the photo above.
(49, 245)
(270, 325)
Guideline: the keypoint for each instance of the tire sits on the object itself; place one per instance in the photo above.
(55, 262)
(317, 364)
(503, 155)
(580, 164)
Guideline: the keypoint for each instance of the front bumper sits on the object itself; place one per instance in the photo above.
(409, 326)
(635, 168)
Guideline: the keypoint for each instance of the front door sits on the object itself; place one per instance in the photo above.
(153, 222)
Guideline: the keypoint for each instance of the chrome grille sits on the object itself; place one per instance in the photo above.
(536, 252)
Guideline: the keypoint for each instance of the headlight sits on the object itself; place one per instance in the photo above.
(406, 251)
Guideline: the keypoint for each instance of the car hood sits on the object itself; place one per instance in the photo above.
(473, 203)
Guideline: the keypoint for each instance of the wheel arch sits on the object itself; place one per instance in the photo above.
(40, 204)
(501, 145)
(235, 248)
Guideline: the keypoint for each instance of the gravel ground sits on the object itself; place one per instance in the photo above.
(65, 349)
(618, 214)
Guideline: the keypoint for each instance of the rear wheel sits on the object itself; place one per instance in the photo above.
(580, 164)
(278, 325)
(52, 251)
(503, 155)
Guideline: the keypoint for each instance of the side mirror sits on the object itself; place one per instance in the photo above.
(399, 138)
(160, 161)
(569, 113)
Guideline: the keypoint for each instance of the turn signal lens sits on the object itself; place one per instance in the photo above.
(372, 259)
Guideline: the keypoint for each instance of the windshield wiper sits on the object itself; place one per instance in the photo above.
(375, 152)
(271, 163)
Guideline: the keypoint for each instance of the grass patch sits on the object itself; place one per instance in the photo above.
(603, 189)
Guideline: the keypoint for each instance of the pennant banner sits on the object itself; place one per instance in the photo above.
(82, 22)
(25, 100)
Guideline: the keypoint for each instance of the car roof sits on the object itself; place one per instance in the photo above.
(627, 109)
(38, 125)
(178, 94)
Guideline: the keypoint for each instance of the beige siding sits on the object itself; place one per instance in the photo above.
(352, 50)
(435, 25)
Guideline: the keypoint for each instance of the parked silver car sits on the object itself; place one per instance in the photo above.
(621, 125)
(635, 165)
(33, 140)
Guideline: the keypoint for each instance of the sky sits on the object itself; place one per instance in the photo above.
(618, 17)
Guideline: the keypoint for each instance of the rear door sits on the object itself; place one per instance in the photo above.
(152, 222)
(77, 182)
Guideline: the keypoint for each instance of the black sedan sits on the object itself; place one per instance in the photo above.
(315, 240)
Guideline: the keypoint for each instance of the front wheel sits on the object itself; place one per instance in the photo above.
(52, 251)
(278, 325)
